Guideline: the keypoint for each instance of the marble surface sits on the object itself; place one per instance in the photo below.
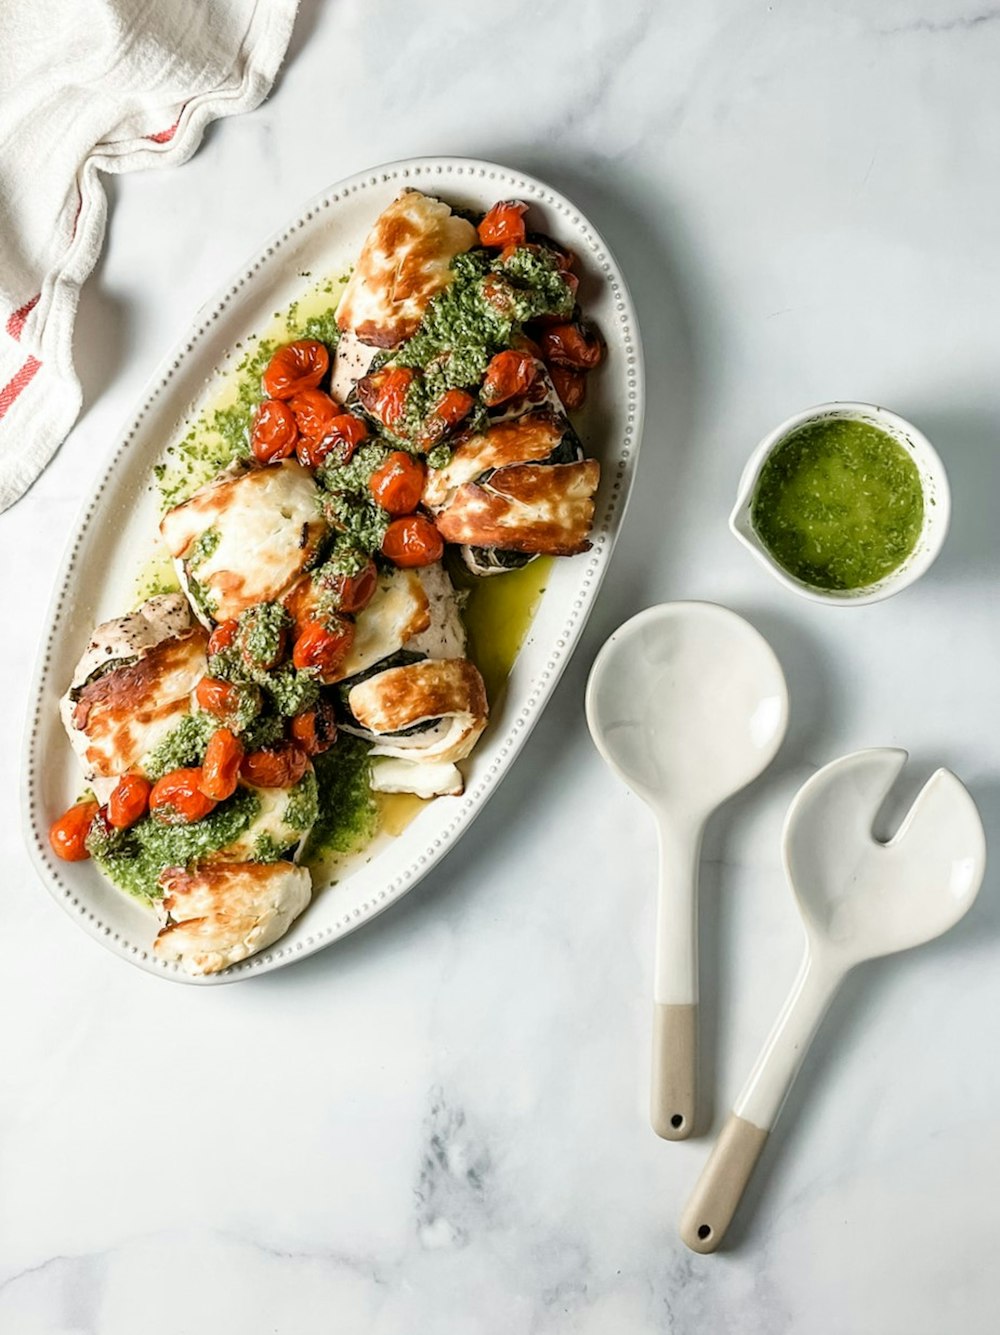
(439, 1125)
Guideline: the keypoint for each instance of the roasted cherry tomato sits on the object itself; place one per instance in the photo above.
(383, 394)
(316, 729)
(509, 374)
(399, 484)
(223, 636)
(504, 224)
(344, 434)
(279, 766)
(129, 802)
(323, 645)
(314, 411)
(570, 384)
(294, 368)
(413, 541)
(446, 414)
(353, 593)
(274, 433)
(220, 769)
(68, 835)
(217, 697)
(178, 799)
(572, 344)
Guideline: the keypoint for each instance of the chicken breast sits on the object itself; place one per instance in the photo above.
(132, 687)
(217, 915)
(405, 261)
(245, 539)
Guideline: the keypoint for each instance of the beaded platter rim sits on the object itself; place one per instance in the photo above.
(619, 454)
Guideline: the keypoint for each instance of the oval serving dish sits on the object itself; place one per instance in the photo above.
(114, 532)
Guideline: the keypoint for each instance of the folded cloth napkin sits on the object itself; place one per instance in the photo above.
(89, 86)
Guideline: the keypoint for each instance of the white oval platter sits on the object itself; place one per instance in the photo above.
(97, 579)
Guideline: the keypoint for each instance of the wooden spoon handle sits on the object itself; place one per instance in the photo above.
(723, 1180)
(674, 1070)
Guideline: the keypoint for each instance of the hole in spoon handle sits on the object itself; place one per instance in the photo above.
(723, 1180)
(674, 1066)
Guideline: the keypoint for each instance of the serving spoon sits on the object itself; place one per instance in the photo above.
(859, 899)
(687, 704)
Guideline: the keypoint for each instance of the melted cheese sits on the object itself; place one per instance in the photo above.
(405, 261)
(270, 822)
(526, 439)
(219, 914)
(450, 691)
(116, 720)
(399, 610)
(426, 778)
(268, 528)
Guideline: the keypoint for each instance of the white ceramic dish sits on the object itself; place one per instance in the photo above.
(934, 481)
(115, 529)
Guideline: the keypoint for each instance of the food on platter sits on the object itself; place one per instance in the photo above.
(310, 659)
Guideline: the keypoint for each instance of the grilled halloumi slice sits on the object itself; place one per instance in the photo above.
(448, 694)
(405, 261)
(537, 509)
(246, 538)
(219, 914)
(132, 687)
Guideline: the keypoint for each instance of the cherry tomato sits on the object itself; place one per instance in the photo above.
(508, 375)
(572, 344)
(344, 434)
(399, 484)
(274, 433)
(68, 835)
(316, 729)
(413, 541)
(353, 593)
(177, 798)
(295, 367)
(383, 393)
(220, 769)
(446, 414)
(504, 224)
(279, 766)
(217, 697)
(314, 411)
(223, 636)
(570, 384)
(129, 802)
(323, 645)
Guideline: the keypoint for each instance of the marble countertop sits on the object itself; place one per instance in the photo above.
(439, 1124)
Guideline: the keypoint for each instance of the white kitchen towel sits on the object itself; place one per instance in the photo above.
(88, 86)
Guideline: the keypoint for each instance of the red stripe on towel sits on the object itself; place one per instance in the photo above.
(20, 381)
(164, 136)
(16, 322)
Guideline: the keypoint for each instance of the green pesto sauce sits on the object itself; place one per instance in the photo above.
(303, 803)
(839, 504)
(348, 814)
(463, 327)
(184, 745)
(221, 435)
(133, 859)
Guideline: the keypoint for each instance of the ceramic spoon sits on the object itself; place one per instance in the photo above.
(687, 704)
(859, 899)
